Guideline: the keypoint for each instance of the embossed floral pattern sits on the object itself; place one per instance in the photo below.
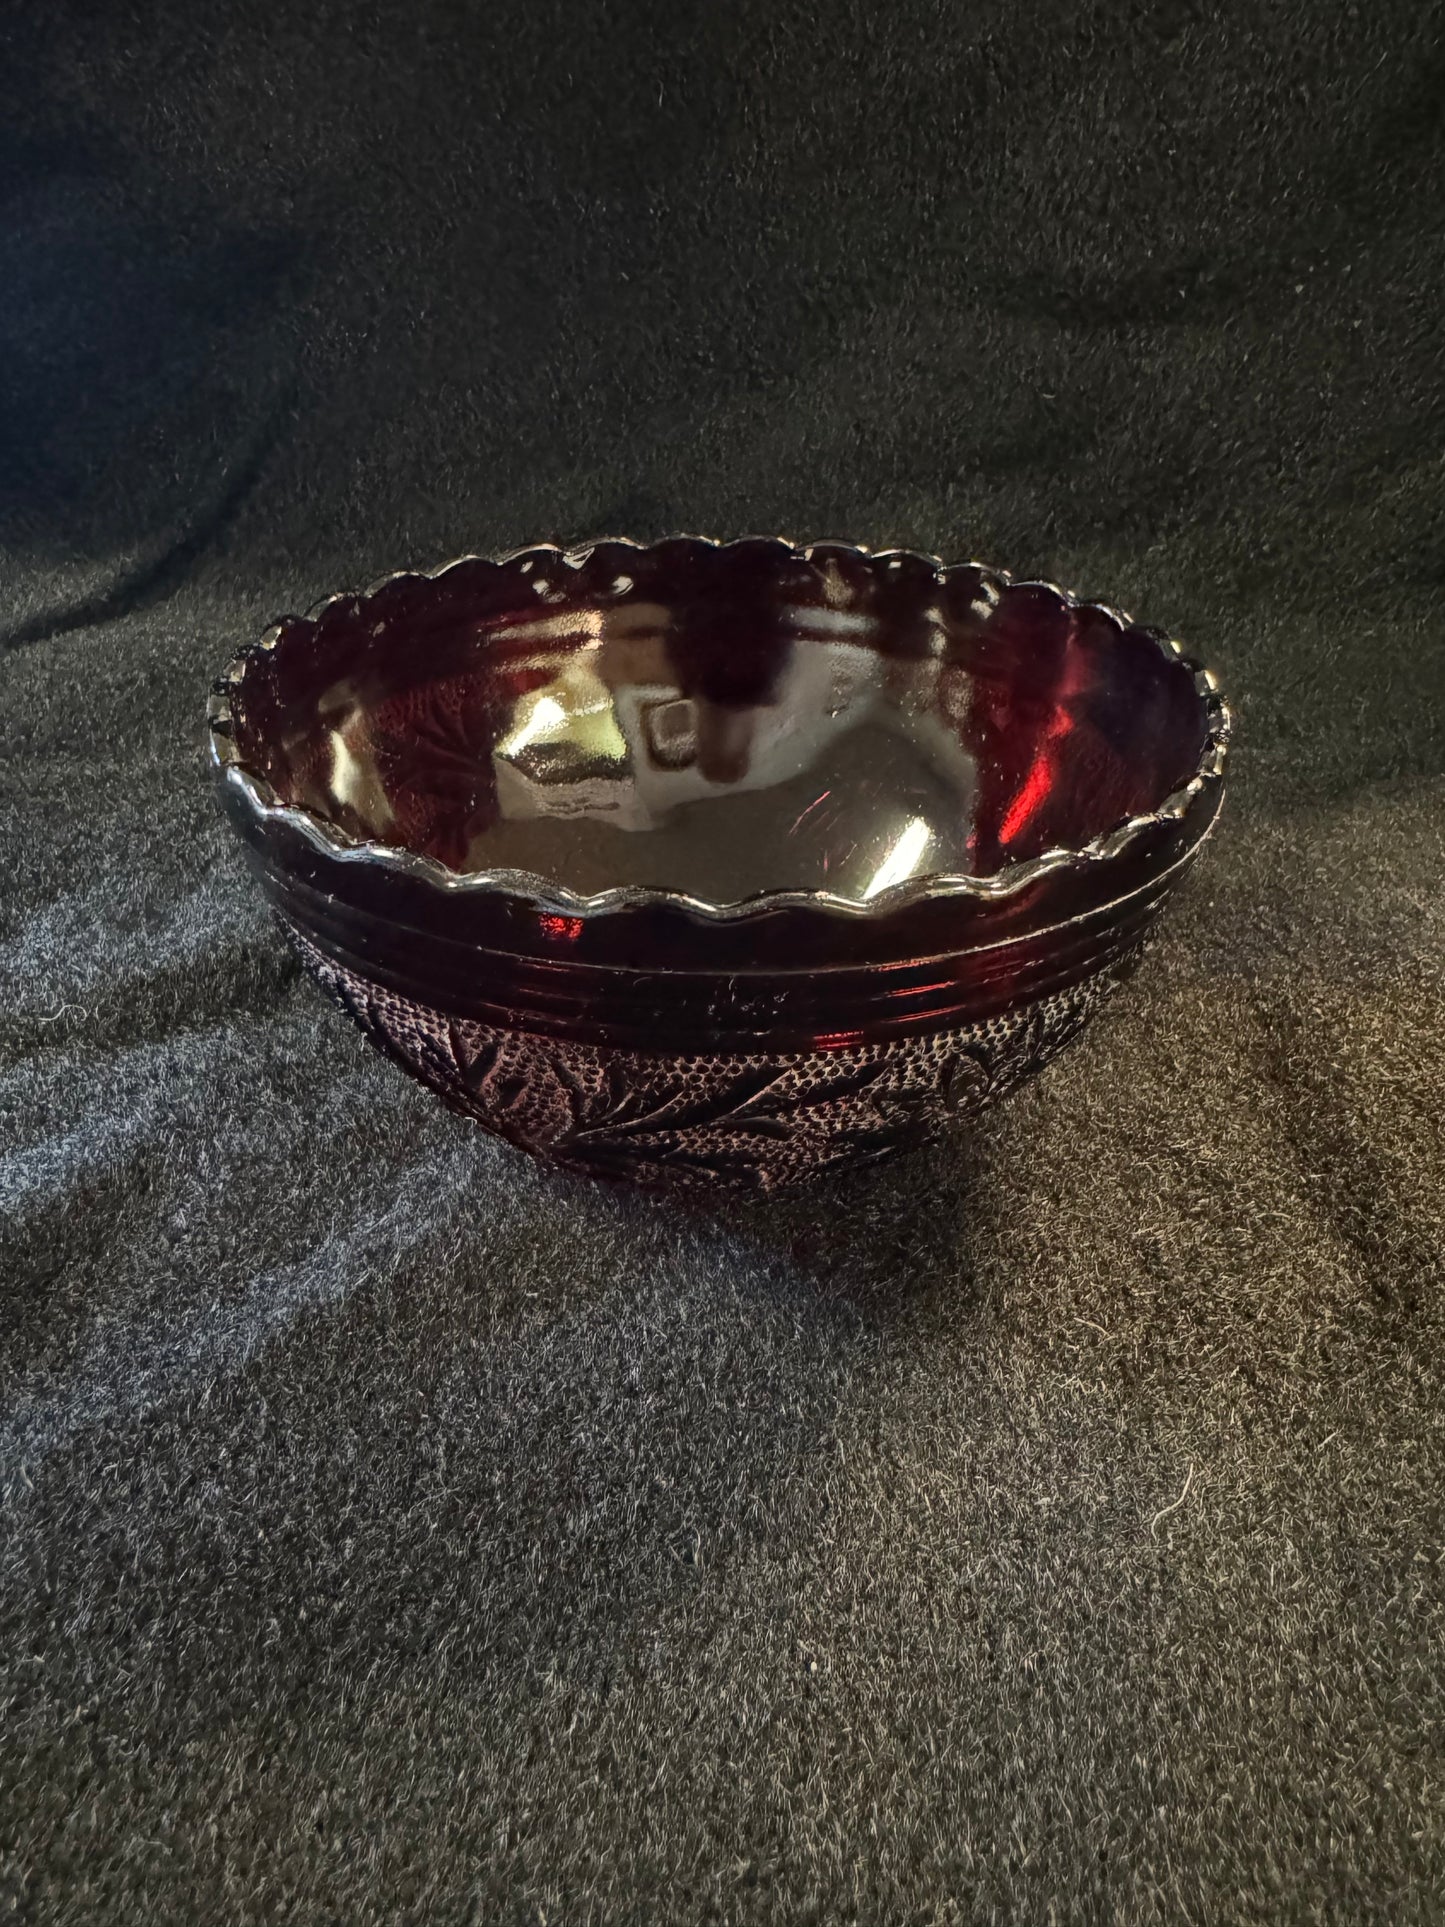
(749, 1122)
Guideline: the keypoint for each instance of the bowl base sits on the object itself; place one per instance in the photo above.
(759, 1123)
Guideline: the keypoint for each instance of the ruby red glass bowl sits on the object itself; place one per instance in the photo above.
(717, 863)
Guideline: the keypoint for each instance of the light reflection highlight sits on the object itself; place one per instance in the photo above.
(902, 860)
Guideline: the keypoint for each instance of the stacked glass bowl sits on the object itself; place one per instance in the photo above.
(718, 863)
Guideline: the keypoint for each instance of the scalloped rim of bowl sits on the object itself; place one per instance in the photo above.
(531, 887)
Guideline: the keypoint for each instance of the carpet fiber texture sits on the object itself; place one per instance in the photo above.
(1047, 1529)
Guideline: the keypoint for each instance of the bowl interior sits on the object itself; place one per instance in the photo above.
(720, 721)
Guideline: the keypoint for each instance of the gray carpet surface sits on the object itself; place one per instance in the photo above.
(1044, 1530)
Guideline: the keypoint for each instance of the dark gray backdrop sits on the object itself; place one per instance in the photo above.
(1047, 1530)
